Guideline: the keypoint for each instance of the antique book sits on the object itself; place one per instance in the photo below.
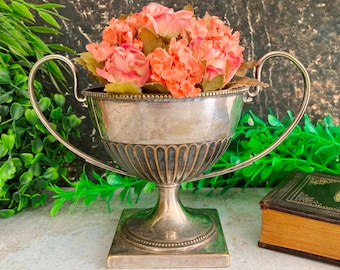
(302, 217)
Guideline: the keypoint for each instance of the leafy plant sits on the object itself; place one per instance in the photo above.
(308, 148)
(30, 158)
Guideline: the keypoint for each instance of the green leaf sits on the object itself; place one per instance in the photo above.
(44, 103)
(4, 6)
(257, 120)
(5, 98)
(266, 173)
(7, 170)
(115, 180)
(26, 178)
(306, 169)
(56, 113)
(6, 213)
(4, 110)
(4, 77)
(48, 18)
(50, 6)
(8, 141)
(69, 156)
(35, 169)
(39, 126)
(39, 45)
(27, 158)
(90, 198)
(150, 186)
(187, 185)
(3, 151)
(22, 10)
(277, 163)
(37, 145)
(123, 193)
(20, 80)
(299, 150)
(44, 30)
(51, 174)
(16, 110)
(74, 121)
(309, 126)
(250, 120)
(38, 200)
(273, 121)
(328, 121)
(59, 100)
(38, 157)
(31, 116)
(62, 48)
(57, 204)
(40, 184)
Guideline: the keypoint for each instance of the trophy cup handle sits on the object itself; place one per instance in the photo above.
(253, 93)
(46, 123)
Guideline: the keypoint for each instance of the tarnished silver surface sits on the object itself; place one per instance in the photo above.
(163, 120)
(168, 226)
(162, 139)
(168, 141)
(211, 253)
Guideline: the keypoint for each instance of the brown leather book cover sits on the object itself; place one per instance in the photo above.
(304, 206)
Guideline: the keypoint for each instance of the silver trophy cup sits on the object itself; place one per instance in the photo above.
(168, 141)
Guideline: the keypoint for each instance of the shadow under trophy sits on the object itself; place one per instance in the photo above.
(168, 141)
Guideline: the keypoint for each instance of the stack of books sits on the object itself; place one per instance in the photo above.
(302, 216)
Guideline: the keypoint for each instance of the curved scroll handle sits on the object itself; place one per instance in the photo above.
(43, 119)
(289, 129)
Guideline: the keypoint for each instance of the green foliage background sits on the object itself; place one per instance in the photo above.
(30, 158)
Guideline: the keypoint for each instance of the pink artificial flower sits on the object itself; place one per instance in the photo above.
(177, 69)
(100, 51)
(233, 64)
(216, 27)
(213, 56)
(122, 31)
(214, 44)
(164, 21)
(126, 64)
(197, 29)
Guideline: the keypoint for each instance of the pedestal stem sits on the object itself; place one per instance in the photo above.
(168, 226)
(169, 213)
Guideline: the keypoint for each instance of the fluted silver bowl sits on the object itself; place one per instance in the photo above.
(164, 139)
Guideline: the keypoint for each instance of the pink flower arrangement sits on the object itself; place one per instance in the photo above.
(162, 51)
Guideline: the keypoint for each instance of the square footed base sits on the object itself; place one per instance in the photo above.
(123, 255)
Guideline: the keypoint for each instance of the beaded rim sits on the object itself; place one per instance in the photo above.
(97, 92)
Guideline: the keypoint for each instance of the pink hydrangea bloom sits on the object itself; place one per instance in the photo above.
(214, 43)
(100, 51)
(218, 58)
(165, 21)
(126, 64)
(177, 69)
(122, 31)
